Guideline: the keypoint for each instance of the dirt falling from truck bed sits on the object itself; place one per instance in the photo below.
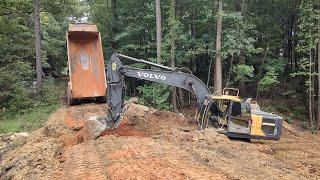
(154, 144)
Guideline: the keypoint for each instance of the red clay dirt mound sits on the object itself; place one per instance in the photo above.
(150, 121)
(152, 144)
(137, 120)
(63, 148)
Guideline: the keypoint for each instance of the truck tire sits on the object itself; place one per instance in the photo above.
(101, 99)
(70, 101)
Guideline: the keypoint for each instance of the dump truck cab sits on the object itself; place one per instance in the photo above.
(242, 118)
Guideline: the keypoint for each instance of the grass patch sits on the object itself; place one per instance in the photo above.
(30, 120)
(28, 117)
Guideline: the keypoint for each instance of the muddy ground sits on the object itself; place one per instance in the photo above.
(153, 144)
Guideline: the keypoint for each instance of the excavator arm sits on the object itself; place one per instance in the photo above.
(116, 72)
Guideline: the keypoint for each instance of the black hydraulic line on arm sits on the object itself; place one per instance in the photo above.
(116, 71)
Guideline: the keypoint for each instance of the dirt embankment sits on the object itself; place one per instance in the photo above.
(152, 144)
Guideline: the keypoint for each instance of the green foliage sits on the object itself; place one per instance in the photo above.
(19, 99)
(243, 72)
(125, 26)
(177, 35)
(273, 68)
(270, 79)
(22, 96)
(276, 65)
(237, 38)
(25, 112)
(14, 80)
(50, 93)
(17, 61)
(308, 37)
(288, 111)
(290, 95)
(308, 25)
(155, 95)
(304, 72)
(129, 27)
(269, 18)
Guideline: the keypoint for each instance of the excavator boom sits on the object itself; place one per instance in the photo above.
(116, 70)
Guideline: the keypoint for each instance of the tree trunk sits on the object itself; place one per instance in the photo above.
(212, 67)
(310, 92)
(114, 20)
(230, 71)
(218, 66)
(209, 71)
(173, 51)
(318, 109)
(193, 25)
(38, 45)
(239, 4)
(159, 36)
(313, 79)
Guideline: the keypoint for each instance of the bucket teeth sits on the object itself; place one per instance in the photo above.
(110, 123)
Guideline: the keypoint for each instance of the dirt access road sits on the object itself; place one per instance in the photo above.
(154, 144)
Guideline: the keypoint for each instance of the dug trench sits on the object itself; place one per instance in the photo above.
(153, 144)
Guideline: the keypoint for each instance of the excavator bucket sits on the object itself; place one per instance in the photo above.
(86, 63)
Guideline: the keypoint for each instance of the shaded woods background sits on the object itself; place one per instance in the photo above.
(270, 49)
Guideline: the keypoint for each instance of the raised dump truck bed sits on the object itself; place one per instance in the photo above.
(86, 63)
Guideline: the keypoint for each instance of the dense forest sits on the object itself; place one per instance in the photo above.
(267, 49)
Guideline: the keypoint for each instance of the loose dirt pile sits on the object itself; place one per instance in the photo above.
(149, 121)
(37, 157)
(152, 144)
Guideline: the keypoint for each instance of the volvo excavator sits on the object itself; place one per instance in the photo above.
(227, 113)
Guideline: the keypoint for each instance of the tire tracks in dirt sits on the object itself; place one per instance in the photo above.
(147, 158)
(83, 161)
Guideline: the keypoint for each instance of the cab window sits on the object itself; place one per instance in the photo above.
(245, 107)
(236, 109)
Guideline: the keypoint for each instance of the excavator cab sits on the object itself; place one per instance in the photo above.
(242, 118)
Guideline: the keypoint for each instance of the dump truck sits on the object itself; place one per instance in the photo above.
(85, 63)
